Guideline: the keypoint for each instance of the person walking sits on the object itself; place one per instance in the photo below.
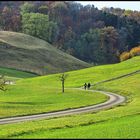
(88, 85)
(85, 86)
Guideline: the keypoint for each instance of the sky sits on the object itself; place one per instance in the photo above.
(131, 5)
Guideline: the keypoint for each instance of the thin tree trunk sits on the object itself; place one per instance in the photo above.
(63, 86)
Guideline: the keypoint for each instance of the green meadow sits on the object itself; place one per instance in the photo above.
(43, 94)
(93, 74)
(40, 99)
(15, 73)
(125, 127)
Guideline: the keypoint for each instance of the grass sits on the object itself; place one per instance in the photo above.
(107, 123)
(93, 74)
(31, 54)
(40, 99)
(125, 127)
(15, 73)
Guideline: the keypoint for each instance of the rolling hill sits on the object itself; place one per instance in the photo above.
(27, 53)
(45, 94)
(93, 75)
(44, 89)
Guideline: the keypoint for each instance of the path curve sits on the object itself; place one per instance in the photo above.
(114, 99)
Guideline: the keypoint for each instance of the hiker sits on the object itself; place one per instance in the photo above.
(88, 85)
(85, 86)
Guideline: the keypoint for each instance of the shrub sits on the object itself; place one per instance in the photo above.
(124, 56)
(135, 51)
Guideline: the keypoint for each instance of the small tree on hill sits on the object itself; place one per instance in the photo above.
(2, 83)
(62, 78)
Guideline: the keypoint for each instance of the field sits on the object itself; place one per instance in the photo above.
(93, 74)
(125, 127)
(15, 73)
(27, 53)
(40, 99)
(118, 122)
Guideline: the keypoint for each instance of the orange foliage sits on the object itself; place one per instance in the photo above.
(135, 51)
(124, 56)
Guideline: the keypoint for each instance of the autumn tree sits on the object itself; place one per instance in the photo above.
(58, 10)
(110, 38)
(10, 19)
(6, 18)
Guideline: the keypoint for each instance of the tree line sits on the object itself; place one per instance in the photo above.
(93, 35)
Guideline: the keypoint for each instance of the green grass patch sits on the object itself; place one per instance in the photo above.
(40, 99)
(124, 127)
(77, 78)
(91, 125)
(15, 73)
(118, 122)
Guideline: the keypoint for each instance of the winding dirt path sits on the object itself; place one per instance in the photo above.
(114, 100)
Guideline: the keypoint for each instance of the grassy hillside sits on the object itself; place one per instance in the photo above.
(124, 127)
(118, 122)
(23, 100)
(93, 74)
(37, 92)
(31, 54)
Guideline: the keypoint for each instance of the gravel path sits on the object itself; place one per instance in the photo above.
(114, 99)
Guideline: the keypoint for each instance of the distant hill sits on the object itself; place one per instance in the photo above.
(27, 53)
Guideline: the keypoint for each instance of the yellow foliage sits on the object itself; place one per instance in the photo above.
(125, 56)
(135, 51)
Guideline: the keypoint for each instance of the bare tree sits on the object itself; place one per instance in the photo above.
(2, 83)
(62, 78)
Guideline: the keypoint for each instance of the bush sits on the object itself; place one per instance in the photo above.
(135, 51)
(124, 56)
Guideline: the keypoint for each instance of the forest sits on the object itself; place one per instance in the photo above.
(92, 35)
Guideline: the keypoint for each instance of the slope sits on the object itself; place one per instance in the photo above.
(93, 74)
(100, 121)
(44, 89)
(28, 53)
